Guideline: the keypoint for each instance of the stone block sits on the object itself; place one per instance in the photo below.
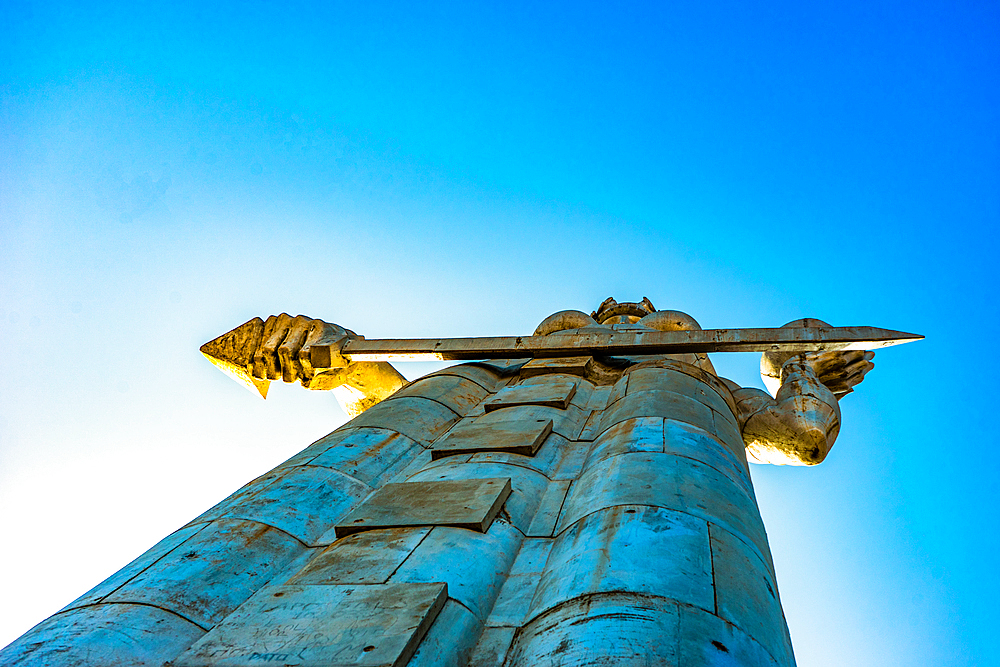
(528, 485)
(552, 394)
(636, 549)
(641, 434)
(516, 437)
(568, 365)
(122, 576)
(608, 629)
(709, 641)
(474, 565)
(668, 481)
(747, 594)
(371, 455)
(713, 394)
(666, 404)
(322, 626)
(304, 501)
(451, 639)
(567, 423)
(547, 514)
(457, 393)
(103, 635)
(514, 602)
(685, 440)
(369, 557)
(492, 647)
(213, 572)
(419, 419)
(463, 503)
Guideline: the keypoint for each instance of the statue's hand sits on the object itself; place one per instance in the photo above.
(838, 371)
(284, 350)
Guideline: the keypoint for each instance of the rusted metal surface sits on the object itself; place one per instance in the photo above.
(322, 626)
(466, 503)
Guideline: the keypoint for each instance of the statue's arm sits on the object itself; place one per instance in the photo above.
(799, 425)
(284, 353)
(796, 427)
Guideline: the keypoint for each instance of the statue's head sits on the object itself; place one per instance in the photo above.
(627, 315)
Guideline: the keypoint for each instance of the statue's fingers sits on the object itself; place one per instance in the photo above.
(269, 349)
(288, 351)
(259, 370)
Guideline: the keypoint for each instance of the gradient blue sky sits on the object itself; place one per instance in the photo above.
(169, 170)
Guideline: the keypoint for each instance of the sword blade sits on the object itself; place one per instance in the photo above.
(609, 342)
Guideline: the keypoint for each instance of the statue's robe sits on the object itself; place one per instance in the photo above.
(631, 536)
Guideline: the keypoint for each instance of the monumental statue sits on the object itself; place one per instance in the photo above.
(580, 496)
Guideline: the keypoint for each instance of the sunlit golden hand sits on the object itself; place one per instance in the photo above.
(284, 350)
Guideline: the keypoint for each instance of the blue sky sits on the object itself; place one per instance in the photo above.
(169, 170)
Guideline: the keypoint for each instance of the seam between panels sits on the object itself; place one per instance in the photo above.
(711, 558)
(137, 604)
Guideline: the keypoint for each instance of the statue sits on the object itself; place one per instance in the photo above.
(574, 505)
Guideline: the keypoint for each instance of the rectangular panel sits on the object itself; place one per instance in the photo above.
(463, 503)
(515, 437)
(322, 626)
(569, 365)
(552, 394)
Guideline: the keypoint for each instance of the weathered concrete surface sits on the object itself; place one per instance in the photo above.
(322, 626)
(470, 503)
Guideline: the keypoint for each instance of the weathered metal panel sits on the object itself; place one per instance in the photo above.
(528, 485)
(708, 641)
(369, 557)
(639, 549)
(103, 635)
(547, 514)
(454, 392)
(668, 481)
(474, 565)
(747, 594)
(465, 503)
(514, 602)
(213, 572)
(617, 629)
(450, 640)
(516, 437)
(419, 419)
(322, 626)
(665, 404)
(371, 455)
(304, 501)
(160, 549)
(553, 394)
